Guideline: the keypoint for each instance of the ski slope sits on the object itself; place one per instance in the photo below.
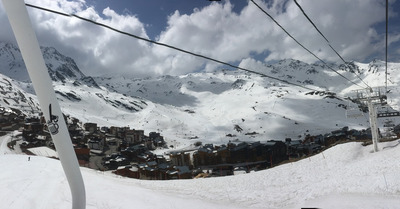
(345, 176)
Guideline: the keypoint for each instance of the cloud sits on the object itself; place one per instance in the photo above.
(215, 31)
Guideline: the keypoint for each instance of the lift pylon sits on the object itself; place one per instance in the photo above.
(374, 98)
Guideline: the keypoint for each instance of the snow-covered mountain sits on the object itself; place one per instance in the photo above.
(60, 67)
(14, 97)
(208, 106)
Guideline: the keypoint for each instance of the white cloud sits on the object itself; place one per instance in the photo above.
(215, 31)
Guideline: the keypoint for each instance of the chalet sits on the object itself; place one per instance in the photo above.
(204, 156)
(114, 163)
(319, 139)
(129, 136)
(113, 130)
(82, 153)
(180, 172)
(159, 142)
(8, 126)
(149, 144)
(96, 143)
(121, 132)
(160, 159)
(75, 130)
(256, 152)
(9, 116)
(133, 152)
(180, 158)
(360, 135)
(314, 148)
(277, 151)
(138, 135)
(90, 127)
(144, 157)
(105, 129)
(340, 134)
(240, 153)
(222, 170)
(239, 170)
(223, 155)
(154, 140)
(111, 141)
(329, 139)
(122, 145)
(131, 171)
(34, 127)
(295, 148)
(163, 169)
(134, 136)
(154, 135)
(149, 171)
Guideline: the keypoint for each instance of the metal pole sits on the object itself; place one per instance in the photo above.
(33, 58)
(373, 122)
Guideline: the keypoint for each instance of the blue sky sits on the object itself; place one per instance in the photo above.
(231, 31)
(154, 13)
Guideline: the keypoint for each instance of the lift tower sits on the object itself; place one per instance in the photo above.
(374, 98)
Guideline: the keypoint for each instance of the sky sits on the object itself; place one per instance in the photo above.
(230, 31)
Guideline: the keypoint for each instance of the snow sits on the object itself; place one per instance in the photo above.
(43, 151)
(345, 176)
(206, 106)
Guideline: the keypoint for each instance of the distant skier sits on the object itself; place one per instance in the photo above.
(29, 158)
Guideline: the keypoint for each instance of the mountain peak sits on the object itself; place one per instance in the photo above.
(59, 66)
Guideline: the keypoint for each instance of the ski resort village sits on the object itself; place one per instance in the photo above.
(265, 104)
(129, 152)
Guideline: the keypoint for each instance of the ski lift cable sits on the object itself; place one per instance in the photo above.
(329, 44)
(266, 13)
(386, 54)
(171, 47)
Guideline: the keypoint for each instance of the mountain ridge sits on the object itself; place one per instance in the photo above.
(207, 106)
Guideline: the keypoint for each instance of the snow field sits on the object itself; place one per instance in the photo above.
(345, 176)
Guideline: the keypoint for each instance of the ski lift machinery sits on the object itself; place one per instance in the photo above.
(378, 107)
(388, 113)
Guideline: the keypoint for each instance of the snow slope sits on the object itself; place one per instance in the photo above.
(12, 96)
(345, 176)
(206, 106)
(210, 105)
(60, 67)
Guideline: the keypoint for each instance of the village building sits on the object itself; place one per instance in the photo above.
(130, 171)
(96, 143)
(180, 159)
(205, 155)
(90, 127)
(276, 151)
